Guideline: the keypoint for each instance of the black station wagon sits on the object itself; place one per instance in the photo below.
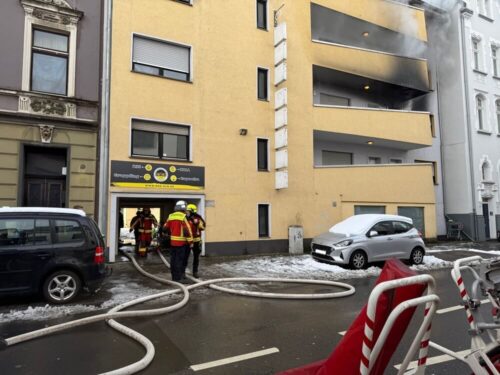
(52, 251)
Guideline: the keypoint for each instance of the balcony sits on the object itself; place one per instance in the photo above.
(395, 70)
(360, 33)
(399, 130)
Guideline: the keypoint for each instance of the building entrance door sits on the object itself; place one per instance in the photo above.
(44, 177)
(486, 216)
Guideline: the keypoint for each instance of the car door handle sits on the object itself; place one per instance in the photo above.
(43, 255)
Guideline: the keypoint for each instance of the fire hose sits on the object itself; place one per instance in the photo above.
(116, 312)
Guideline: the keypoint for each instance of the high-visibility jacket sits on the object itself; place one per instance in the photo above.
(146, 227)
(179, 229)
(197, 225)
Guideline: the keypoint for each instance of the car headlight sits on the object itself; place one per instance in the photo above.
(344, 243)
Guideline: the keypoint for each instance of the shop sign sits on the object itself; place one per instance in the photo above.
(156, 176)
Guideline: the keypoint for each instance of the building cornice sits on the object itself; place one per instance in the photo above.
(57, 11)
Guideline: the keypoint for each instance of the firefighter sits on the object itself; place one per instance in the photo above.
(134, 226)
(181, 241)
(197, 226)
(146, 224)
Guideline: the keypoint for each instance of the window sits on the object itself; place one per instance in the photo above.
(486, 174)
(359, 210)
(384, 228)
(401, 227)
(497, 105)
(68, 231)
(416, 214)
(42, 232)
(484, 7)
(480, 101)
(476, 51)
(262, 14)
(374, 160)
(263, 220)
(262, 155)
(49, 62)
(395, 161)
(495, 62)
(16, 232)
(434, 169)
(433, 126)
(161, 58)
(160, 140)
(262, 84)
(327, 99)
(335, 158)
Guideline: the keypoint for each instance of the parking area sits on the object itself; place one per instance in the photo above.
(242, 334)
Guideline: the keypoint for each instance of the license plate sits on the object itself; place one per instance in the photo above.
(322, 252)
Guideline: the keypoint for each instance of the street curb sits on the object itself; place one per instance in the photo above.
(3, 344)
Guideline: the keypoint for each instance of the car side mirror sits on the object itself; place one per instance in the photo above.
(373, 233)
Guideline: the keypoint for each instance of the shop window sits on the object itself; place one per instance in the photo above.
(160, 140)
(360, 210)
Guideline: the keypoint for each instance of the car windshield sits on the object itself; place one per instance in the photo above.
(356, 224)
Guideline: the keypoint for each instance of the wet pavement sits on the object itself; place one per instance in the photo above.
(214, 325)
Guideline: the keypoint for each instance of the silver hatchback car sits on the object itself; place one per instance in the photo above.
(362, 239)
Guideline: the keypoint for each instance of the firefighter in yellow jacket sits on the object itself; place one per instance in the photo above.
(197, 226)
(181, 240)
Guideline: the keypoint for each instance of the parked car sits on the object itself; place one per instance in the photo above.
(362, 239)
(52, 251)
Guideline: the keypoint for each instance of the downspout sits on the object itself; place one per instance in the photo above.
(463, 11)
(104, 140)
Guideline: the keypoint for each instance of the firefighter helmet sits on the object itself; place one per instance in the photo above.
(180, 206)
(192, 207)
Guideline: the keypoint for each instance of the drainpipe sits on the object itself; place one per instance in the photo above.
(463, 11)
(104, 139)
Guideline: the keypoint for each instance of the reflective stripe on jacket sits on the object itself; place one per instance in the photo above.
(179, 229)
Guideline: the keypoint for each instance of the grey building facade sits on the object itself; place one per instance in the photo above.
(465, 42)
(49, 102)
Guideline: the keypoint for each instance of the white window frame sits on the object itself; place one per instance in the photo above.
(480, 97)
(480, 54)
(268, 83)
(268, 169)
(165, 122)
(168, 41)
(267, 16)
(71, 29)
(495, 60)
(269, 216)
(497, 113)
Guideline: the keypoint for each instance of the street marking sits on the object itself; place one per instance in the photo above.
(492, 252)
(455, 308)
(436, 360)
(238, 358)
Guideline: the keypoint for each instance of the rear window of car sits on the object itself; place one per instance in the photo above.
(68, 231)
(401, 227)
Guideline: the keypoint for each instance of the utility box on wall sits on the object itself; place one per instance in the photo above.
(295, 239)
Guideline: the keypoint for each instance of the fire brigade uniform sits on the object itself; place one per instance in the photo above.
(181, 239)
(197, 226)
(146, 228)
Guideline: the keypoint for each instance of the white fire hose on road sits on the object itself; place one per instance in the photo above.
(116, 312)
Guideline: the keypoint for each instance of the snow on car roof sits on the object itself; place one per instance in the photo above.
(50, 210)
(358, 224)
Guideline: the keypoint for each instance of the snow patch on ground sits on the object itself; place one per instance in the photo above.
(120, 294)
(304, 266)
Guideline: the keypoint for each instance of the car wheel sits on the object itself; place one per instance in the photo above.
(61, 287)
(417, 256)
(358, 260)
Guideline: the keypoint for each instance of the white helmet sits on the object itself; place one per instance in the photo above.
(180, 206)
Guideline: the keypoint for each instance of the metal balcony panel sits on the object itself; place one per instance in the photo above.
(400, 71)
(331, 26)
(400, 130)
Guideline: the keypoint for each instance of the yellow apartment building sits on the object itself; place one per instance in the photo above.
(270, 114)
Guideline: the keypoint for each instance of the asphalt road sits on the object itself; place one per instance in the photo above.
(215, 326)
